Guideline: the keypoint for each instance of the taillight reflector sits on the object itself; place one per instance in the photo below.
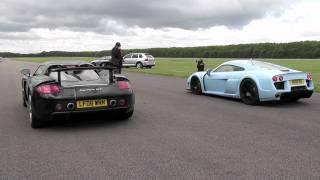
(123, 85)
(280, 78)
(274, 78)
(122, 102)
(309, 77)
(48, 89)
(277, 78)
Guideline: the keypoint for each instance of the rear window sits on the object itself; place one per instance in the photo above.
(149, 55)
(268, 66)
(76, 76)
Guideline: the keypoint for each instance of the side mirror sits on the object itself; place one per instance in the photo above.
(209, 72)
(25, 72)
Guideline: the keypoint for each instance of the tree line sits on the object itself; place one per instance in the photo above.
(303, 49)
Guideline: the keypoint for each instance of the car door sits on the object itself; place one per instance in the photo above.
(135, 59)
(127, 59)
(141, 59)
(223, 80)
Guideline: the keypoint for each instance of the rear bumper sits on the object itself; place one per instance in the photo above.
(281, 95)
(146, 63)
(89, 113)
(47, 108)
(296, 94)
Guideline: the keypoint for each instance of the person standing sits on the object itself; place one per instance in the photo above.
(200, 65)
(116, 57)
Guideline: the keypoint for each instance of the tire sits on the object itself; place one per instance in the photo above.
(34, 121)
(139, 65)
(196, 86)
(249, 92)
(24, 102)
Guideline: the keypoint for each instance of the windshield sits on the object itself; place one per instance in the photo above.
(75, 76)
(268, 66)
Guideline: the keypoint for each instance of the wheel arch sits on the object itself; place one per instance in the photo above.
(196, 77)
(253, 78)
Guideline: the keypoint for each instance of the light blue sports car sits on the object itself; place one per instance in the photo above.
(252, 81)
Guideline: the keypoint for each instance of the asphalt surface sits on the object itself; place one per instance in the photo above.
(173, 134)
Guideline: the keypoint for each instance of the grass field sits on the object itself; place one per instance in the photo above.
(183, 67)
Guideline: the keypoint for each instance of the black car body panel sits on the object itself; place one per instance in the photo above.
(105, 89)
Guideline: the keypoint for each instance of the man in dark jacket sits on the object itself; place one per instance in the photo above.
(116, 57)
(200, 65)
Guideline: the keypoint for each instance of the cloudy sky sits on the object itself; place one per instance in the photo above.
(79, 25)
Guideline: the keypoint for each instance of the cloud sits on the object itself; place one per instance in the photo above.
(104, 16)
(81, 26)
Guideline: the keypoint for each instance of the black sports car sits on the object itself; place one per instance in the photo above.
(74, 87)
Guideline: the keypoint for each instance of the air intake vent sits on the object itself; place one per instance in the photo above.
(279, 85)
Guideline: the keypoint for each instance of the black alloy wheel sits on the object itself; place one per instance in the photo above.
(249, 92)
(34, 121)
(196, 86)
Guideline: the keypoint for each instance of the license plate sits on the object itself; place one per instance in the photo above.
(297, 82)
(92, 103)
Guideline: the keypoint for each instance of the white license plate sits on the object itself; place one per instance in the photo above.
(296, 82)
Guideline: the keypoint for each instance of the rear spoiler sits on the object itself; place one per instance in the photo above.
(110, 68)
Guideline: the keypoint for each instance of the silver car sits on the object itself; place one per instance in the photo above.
(139, 60)
(103, 61)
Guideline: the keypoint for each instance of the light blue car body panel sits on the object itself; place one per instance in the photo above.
(227, 84)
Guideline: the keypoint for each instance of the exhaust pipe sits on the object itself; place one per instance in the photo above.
(113, 103)
(70, 106)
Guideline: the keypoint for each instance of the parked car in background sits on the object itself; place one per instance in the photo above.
(252, 82)
(103, 61)
(139, 60)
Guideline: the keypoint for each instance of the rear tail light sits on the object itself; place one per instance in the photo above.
(277, 78)
(146, 60)
(309, 77)
(48, 89)
(124, 85)
(280, 78)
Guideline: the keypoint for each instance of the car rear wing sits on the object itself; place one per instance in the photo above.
(110, 68)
